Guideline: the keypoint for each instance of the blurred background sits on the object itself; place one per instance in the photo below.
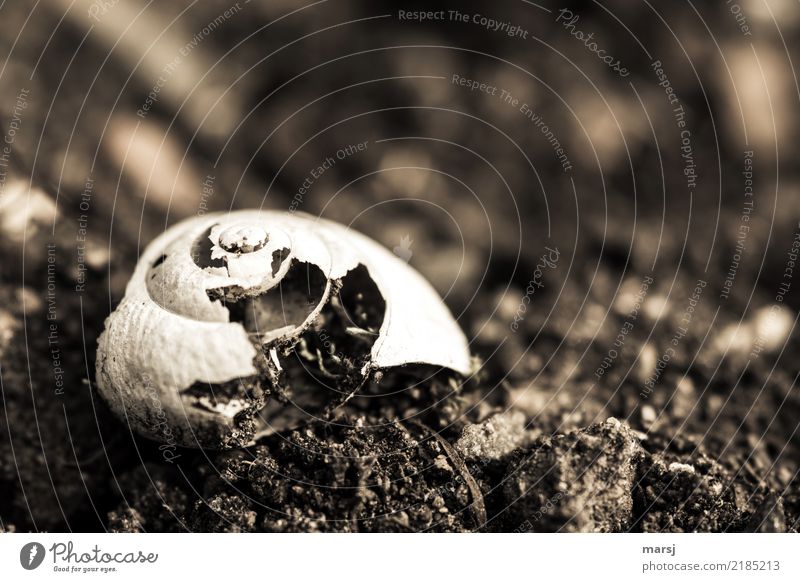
(605, 193)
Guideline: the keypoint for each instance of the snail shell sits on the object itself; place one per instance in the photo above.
(220, 306)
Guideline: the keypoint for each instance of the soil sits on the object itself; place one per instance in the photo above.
(635, 333)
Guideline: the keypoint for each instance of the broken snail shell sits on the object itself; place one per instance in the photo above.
(243, 323)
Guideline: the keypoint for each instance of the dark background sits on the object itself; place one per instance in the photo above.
(264, 95)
